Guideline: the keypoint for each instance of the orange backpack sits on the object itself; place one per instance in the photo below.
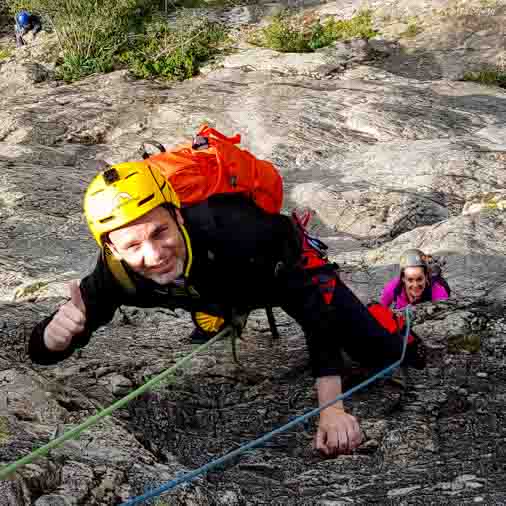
(213, 164)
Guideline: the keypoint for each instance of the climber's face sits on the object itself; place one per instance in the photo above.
(415, 280)
(152, 245)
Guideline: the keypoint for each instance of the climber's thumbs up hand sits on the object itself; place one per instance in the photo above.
(68, 322)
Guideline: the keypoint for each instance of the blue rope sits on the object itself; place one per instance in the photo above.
(258, 442)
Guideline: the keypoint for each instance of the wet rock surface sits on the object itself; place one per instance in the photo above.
(388, 156)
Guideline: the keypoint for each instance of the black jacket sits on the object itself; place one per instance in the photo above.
(243, 258)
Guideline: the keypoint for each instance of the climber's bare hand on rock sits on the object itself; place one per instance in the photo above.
(338, 432)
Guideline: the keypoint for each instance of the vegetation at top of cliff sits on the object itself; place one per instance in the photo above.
(413, 28)
(201, 4)
(490, 77)
(288, 34)
(105, 35)
(174, 52)
(4, 53)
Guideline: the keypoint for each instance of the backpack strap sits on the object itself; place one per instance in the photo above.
(149, 142)
(272, 322)
(314, 257)
(206, 131)
(314, 251)
(442, 281)
(397, 290)
(427, 293)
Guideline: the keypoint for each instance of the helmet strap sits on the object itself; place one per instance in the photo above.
(189, 251)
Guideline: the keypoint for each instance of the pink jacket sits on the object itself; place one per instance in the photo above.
(387, 296)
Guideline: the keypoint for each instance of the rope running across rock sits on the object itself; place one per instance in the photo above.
(258, 442)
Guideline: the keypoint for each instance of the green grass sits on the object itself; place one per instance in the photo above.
(488, 77)
(30, 289)
(282, 36)
(173, 53)
(470, 343)
(412, 30)
(202, 4)
(4, 53)
(359, 26)
(89, 33)
(286, 34)
(100, 36)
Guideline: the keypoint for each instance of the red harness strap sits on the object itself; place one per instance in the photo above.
(314, 256)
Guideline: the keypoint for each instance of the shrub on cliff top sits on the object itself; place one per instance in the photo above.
(490, 77)
(287, 34)
(175, 51)
(89, 32)
(99, 36)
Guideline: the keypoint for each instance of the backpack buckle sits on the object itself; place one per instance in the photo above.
(200, 142)
(145, 152)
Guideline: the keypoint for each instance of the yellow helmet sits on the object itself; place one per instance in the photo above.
(122, 193)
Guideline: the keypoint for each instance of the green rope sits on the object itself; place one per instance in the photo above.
(76, 431)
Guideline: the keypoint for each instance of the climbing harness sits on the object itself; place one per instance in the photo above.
(261, 440)
(314, 257)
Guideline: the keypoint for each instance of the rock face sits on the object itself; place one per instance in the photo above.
(388, 156)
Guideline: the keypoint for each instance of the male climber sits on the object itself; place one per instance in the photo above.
(222, 256)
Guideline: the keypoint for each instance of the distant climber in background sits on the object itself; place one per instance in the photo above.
(26, 22)
(419, 280)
